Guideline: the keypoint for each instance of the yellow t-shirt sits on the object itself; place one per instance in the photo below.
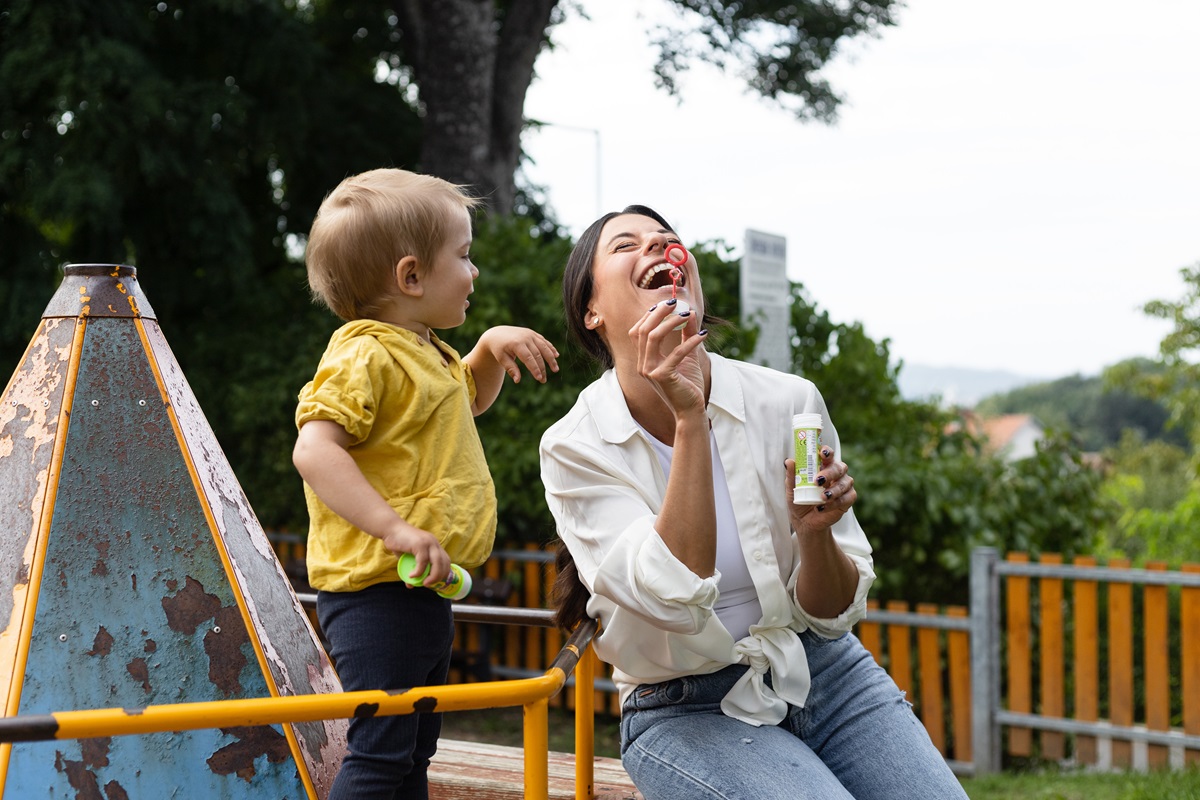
(414, 438)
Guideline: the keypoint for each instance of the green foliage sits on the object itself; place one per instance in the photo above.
(1177, 381)
(1158, 487)
(926, 505)
(520, 279)
(162, 136)
(1095, 410)
(928, 493)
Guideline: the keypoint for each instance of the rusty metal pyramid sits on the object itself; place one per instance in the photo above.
(133, 571)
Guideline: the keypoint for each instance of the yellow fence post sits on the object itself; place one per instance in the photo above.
(1157, 676)
(1020, 690)
(959, 656)
(1086, 660)
(1050, 641)
(929, 666)
(1120, 662)
(1189, 623)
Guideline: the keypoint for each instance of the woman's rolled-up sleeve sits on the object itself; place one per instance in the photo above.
(853, 542)
(606, 516)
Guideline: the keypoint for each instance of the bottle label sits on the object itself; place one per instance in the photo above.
(808, 446)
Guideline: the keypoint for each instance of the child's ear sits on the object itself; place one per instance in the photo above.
(408, 277)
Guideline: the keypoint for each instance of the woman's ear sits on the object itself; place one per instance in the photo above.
(592, 320)
(408, 277)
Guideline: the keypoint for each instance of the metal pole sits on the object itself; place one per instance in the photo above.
(537, 749)
(585, 725)
(985, 659)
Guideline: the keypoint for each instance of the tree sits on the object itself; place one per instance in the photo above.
(1160, 499)
(167, 136)
(470, 63)
(1177, 381)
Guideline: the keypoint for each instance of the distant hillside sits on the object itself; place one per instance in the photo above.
(956, 385)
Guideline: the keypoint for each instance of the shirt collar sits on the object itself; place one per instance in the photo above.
(617, 425)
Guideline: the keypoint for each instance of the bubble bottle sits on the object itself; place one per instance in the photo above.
(455, 587)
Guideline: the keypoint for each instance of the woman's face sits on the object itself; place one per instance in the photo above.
(630, 274)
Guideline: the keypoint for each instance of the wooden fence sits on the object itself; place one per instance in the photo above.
(1071, 663)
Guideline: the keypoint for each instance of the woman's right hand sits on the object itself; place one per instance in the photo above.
(670, 358)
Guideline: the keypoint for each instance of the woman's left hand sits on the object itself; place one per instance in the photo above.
(838, 485)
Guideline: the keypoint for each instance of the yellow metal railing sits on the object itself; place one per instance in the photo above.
(531, 693)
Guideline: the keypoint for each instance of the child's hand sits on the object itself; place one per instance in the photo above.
(509, 345)
(424, 547)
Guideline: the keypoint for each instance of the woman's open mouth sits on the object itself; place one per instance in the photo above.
(659, 276)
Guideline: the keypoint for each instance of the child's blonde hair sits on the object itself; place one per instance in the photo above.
(366, 225)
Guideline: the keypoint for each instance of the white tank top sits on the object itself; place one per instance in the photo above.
(737, 607)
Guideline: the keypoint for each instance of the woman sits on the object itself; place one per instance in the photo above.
(724, 608)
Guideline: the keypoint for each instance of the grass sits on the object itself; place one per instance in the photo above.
(1071, 785)
(504, 726)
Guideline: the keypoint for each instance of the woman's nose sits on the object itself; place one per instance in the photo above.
(656, 241)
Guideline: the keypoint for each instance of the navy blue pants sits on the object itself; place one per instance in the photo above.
(388, 636)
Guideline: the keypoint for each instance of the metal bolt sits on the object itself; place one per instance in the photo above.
(62, 637)
(141, 402)
(95, 403)
(216, 628)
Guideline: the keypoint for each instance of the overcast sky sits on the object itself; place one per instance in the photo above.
(1008, 184)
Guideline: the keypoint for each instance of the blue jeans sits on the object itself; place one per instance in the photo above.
(388, 636)
(855, 739)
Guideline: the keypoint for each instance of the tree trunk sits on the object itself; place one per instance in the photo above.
(473, 64)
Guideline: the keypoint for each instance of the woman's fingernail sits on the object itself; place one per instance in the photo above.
(820, 480)
(685, 313)
(826, 452)
(672, 301)
(828, 494)
(820, 508)
(654, 306)
(702, 332)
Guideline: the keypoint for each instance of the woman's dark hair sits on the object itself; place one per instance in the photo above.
(569, 596)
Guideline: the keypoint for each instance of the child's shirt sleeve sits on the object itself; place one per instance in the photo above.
(343, 390)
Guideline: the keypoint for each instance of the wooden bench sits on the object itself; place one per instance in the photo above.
(478, 771)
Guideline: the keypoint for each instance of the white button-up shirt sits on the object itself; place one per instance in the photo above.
(605, 488)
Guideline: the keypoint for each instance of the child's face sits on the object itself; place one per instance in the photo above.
(451, 277)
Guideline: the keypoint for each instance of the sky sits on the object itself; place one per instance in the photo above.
(1008, 183)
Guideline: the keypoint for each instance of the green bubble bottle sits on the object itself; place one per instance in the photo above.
(456, 587)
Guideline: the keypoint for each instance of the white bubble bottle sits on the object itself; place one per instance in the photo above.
(806, 436)
(455, 587)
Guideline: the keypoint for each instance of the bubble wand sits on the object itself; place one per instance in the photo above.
(677, 255)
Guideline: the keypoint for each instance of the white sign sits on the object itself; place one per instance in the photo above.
(764, 290)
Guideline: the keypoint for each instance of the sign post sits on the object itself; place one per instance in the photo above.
(765, 290)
